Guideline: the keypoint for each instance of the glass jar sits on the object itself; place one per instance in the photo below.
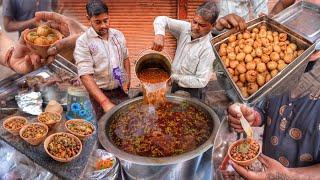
(78, 104)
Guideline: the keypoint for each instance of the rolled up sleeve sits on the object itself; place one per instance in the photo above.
(175, 27)
(83, 58)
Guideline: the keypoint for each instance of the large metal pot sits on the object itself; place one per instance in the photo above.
(149, 167)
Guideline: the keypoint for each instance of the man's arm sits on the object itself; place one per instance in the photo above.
(5, 44)
(281, 5)
(275, 170)
(11, 25)
(93, 89)
(17, 56)
(203, 72)
(309, 172)
(174, 26)
(163, 23)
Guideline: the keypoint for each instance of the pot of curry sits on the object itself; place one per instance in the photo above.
(148, 139)
(153, 59)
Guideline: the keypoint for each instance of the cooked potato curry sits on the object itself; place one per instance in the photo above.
(15, 123)
(245, 151)
(169, 129)
(63, 146)
(153, 75)
(48, 117)
(82, 128)
(34, 131)
(154, 85)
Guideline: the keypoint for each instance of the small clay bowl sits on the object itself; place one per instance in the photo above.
(34, 140)
(51, 138)
(245, 162)
(14, 130)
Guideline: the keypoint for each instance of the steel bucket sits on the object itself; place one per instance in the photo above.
(153, 59)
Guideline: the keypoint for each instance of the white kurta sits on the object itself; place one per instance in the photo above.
(99, 57)
(192, 66)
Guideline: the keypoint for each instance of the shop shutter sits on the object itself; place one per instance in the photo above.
(134, 18)
(192, 7)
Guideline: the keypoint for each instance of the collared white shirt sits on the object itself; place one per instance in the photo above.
(96, 56)
(192, 66)
(242, 7)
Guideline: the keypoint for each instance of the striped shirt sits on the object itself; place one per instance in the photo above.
(99, 57)
(242, 7)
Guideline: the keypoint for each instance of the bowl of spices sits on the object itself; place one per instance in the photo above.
(13, 124)
(49, 118)
(80, 128)
(63, 147)
(34, 133)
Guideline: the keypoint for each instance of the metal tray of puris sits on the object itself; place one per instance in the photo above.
(283, 81)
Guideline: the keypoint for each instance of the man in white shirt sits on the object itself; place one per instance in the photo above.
(192, 66)
(242, 8)
(102, 59)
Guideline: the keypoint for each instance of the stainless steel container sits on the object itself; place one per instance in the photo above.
(284, 80)
(302, 17)
(153, 59)
(149, 167)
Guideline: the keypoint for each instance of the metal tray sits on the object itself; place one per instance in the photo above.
(9, 86)
(303, 18)
(284, 80)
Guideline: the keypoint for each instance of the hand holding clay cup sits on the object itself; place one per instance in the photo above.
(39, 39)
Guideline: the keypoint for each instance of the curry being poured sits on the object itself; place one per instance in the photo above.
(169, 129)
(154, 83)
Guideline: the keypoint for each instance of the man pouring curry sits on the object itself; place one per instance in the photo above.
(192, 66)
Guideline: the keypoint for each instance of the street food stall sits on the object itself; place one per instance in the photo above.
(132, 132)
